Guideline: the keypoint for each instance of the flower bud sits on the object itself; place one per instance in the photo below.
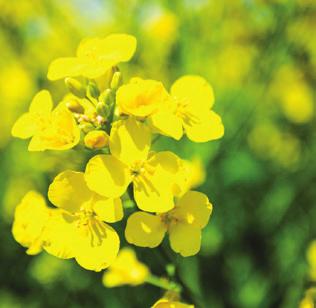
(102, 109)
(106, 96)
(86, 127)
(75, 87)
(75, 106)
(116, 80)
(96, 139)
(93, 90)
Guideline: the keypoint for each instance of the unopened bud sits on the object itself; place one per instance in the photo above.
(116, 80)
(86, 127)
(75, 87)
(106, 96)
(75, 106)
(92, 90)
(96, 139)
(102, 109)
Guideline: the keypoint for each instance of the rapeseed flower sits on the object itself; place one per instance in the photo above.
(30, 218)
(49, 129)
(126, 269)
(154, 175)
(183, 223)
(95, 56)
(189, 111)
(78, 229)
(141, 98)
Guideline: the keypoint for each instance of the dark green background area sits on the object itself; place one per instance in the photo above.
(254, 249)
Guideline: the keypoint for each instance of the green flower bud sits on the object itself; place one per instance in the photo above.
(86, 127)
(102, 109)
(75, 87)
(116, 80)
(93, 90)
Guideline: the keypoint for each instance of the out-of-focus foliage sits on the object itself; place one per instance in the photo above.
(260, 57)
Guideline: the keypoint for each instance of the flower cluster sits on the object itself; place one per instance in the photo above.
(118, 121)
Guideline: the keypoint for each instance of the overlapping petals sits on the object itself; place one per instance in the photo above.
(49, 129)
(94, 57)
(183, 223)
(153, 174)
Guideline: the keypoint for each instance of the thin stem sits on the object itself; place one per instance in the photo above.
(163, 283)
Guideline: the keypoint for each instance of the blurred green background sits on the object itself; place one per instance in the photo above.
(260, 57)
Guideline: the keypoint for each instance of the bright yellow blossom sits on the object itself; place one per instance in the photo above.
(183, 223)
(189, 111)
(50, 130)
(141, 97)
(30, 218)
(126, 269)
(95, 56)
(153, 174)
(78, 229)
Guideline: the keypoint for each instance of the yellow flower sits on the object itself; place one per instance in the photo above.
(309, 299)
(189, 111)
(50, 130)
(30, 218)
(78, 229)
(153, 174)
(183, 223)
(95, 56)
(126, 269)
(141, 97)
(169, 303)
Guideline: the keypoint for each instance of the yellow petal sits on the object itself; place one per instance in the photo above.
(205, 127)
(193, 208)
(126, 269)
(30, 218)
(141, 98)
(144, 230)
(166, 303)
(65, 133)
(108, 209)
(153, 191)
(172, 169)
(66, 67)
(24, 127)
(37, 144)
(115, 48)
(97, 246)
(107, 176)
(195, 90)
(42, 103)
(130, 141)
(185, 239)
(60, 234)
(69, 191)
(166, 123)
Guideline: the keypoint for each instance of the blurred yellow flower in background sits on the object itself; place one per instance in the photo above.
(126, 269)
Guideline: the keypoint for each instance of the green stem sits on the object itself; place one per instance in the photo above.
(163, 283)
